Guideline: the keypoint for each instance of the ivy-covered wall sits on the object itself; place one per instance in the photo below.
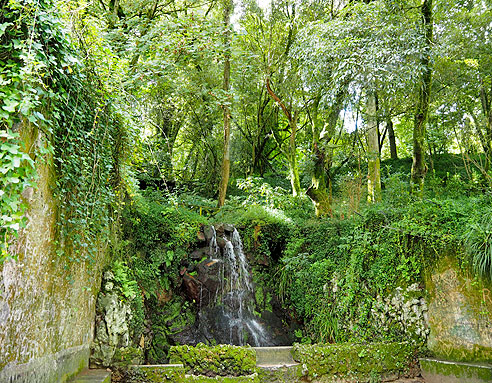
(61, 149)
(47, 302)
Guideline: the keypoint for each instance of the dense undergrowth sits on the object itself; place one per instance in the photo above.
(328, 274)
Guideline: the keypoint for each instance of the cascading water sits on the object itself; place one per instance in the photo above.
(235, 293)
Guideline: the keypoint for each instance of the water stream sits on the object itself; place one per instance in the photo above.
(235, 293)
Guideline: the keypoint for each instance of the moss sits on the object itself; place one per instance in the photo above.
(156, 374)
(220, 360)
(353, 359)
(253, 378)
(125, 356)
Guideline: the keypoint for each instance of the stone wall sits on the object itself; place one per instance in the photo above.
(47, 302)
(460, 313)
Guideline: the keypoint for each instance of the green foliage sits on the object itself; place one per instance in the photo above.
(332, 269)
(478, 242)
(159, 236)
(219, 360)
(45, 86)
(16, 174)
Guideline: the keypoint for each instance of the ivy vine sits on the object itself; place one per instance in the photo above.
(45, 86)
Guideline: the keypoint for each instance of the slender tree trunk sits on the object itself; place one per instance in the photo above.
(485, 99)
(291, 152)
(419, 167)
(293, 166)
(226, 160)
(391, 138)
(373, 165)
(320, 190)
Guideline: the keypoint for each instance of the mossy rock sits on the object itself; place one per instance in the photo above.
(253, 378)
(124, 356)
(220, 360)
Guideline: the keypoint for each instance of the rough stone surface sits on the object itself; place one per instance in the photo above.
(112, 338)
(47, 302)
(406, 308)
(460, 314)
(93, 376)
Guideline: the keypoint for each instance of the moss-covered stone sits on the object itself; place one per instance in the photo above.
(47, 300)
(125, 356)
(349, 360)
(460, 313)
(156, 373)
(253, 378)
(221, 360)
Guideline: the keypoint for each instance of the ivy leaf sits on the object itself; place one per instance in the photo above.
(13, 149)
(10, 105)
(3, 27)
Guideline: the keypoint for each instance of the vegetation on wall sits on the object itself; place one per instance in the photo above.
(47, 89)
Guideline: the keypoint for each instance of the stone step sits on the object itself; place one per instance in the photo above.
(274, 356)
(93, 376)
(442, 371)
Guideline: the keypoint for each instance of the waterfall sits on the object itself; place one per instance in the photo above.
(237, 294)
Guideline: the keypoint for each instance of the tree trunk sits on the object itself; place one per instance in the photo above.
(486, 139)
(419, 167)
(320, 190)
(291, 152)
(373, 165)
(391, 138)
(226, 160)
(292, 157)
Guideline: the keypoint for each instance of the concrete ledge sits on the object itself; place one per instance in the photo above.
(58, 367)
(442, 371)
(93, 376)
(281, 355)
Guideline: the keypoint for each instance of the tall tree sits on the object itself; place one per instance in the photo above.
(226, 160)
(290, 150)
(391, 138)
(373, 164)
(323, 141)
(419, 167)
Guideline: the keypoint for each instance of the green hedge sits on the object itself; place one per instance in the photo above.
(220, 360)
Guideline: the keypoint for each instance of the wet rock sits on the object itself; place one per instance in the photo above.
(219, 229)
(201, 236)
(200, 253)
(221, 242)
(208, 231)
(192, 287)
(228, 229)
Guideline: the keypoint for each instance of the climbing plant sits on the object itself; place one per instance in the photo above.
(45, 87)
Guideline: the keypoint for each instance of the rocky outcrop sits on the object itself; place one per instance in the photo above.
(112, 345)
